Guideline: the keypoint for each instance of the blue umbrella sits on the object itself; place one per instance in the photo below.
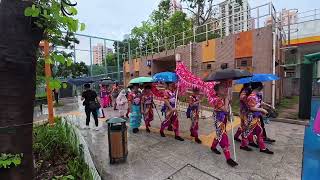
(258, 78)
(166, 77)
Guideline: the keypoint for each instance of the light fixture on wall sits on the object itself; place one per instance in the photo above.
(148, 63)
(178, 57)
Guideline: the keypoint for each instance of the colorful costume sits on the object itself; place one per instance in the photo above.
(194, 115)
(253, 125)
(243, 113)
(135, 114)
(220, 122)
(147, 103)
(104, 97)
(171, 117)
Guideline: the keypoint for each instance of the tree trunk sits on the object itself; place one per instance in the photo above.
(19, 40)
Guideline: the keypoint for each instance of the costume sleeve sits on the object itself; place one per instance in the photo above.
(130, 97)
(191, 100)
(166, 95)
(218, 104)
(143, 97)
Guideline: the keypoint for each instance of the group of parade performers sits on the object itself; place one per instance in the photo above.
(252, 109)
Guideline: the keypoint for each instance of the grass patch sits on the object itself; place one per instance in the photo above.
(60, 104)
(41, 96)
(58, 154)
(287, 103)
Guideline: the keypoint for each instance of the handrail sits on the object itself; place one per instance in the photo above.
(213, 27)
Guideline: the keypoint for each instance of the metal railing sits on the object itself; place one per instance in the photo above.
(215, 28)
(84, 52)
(290, 21)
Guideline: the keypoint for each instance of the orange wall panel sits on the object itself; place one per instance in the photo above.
(136, 64)
(126, 66)
(208, 51)
(244, 44)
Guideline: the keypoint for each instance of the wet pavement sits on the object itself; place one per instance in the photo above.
(154, 157)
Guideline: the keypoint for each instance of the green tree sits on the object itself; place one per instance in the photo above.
(111, 59)
(74, 70)
(159, 18)
(23, 24)
(178, 23)
(202, 10)
(98, 70)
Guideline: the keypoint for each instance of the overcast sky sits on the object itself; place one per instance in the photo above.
(114, 18)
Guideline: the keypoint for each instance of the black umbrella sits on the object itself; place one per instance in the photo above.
(225, 74)
(80, 81)
(107, 82)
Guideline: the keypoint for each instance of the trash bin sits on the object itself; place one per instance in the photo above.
(117, 137)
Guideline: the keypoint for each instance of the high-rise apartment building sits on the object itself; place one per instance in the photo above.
(99, 53)
(235, 17)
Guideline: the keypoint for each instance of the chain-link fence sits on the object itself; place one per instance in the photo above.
(100, 55)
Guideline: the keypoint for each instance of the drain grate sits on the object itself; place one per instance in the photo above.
(191, 172)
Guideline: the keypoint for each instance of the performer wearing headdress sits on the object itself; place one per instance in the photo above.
(194, 104)
(134, 102)
(147, 106)
(171, 112)
(220, 115)
(255, 111)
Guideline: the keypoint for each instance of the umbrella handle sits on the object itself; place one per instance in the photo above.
(157, 111)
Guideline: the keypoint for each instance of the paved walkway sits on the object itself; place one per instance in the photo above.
(154, 157)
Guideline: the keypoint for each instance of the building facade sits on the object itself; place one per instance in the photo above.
(235, 17)
(99, 53)
(250, 50)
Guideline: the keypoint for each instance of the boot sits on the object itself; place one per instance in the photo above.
(215, 151)
(268, 140)
(198, 140)
(246, 148)
(267, 151)
(232, 163)
(191, 134)
(237, 139)
(135, 130)
(148, 130)
(162, 134)
(179, 138)
(252, 144)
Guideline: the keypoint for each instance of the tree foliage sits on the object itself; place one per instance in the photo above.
(55, 17)
(160, 24)
(74, 70)
(98, 70)
(202, 10)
